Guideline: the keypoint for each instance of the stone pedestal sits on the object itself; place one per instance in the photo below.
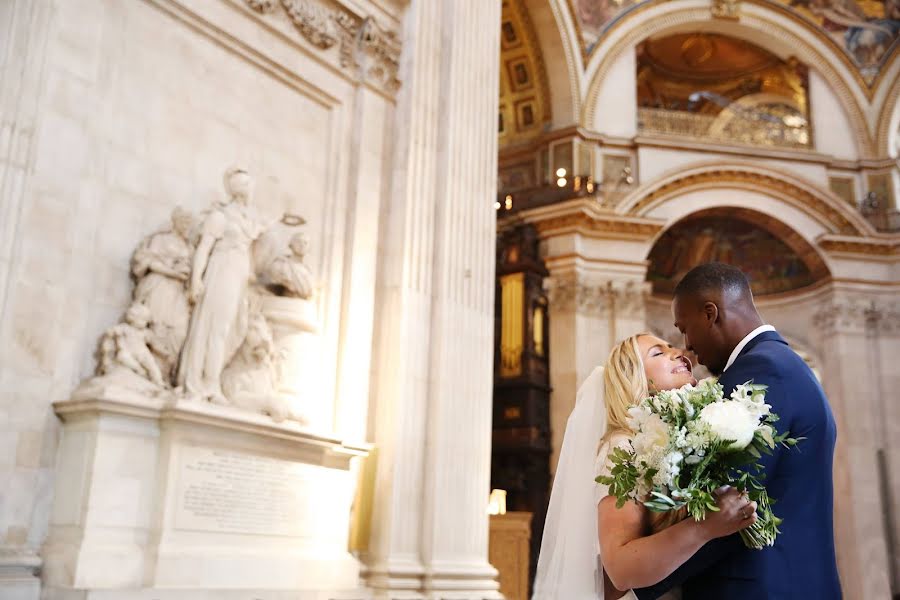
(158, 499)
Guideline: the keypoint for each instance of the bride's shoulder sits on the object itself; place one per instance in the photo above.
(617, 439)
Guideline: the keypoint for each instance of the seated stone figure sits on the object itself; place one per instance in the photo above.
(126, 345)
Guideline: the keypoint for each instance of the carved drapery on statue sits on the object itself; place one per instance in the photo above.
(222, 312)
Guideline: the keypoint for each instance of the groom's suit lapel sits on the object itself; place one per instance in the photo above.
(766, 336)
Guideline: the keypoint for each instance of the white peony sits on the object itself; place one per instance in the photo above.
(731, 421)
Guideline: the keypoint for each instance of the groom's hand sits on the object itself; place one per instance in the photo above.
(736, 512)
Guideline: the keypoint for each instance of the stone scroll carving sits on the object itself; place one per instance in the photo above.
(368, 51)
(223, 308)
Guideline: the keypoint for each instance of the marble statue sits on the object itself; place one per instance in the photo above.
(218, 289)
(161, 266)
(128, 345)
(222, 312)
(250, 381)
(286, 275)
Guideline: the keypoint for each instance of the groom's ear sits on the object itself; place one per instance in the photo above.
(711, 312)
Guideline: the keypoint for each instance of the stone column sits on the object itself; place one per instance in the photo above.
(432, 376)
(846, 324)
(24, 26)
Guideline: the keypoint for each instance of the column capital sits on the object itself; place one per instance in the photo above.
(569, 292)
(855, 313)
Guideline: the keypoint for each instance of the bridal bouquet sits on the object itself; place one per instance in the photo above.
(691, 441)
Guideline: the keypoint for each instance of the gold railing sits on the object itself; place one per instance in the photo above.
(735, 129)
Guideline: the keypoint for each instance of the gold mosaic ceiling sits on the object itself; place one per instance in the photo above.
(672, 68)
(524, 97)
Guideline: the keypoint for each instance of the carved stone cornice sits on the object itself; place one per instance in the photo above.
(378, 55)
(608, 225)
(754, 181)
(865, 246)
(369, 52)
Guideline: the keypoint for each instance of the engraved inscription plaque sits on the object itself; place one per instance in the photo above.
(232, 492)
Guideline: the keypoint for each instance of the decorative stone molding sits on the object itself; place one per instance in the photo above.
(314, 21)
(568, 293)
(864, 246)
(630, 299)
(726, 9)
(378, 55)
(857, 314)
(370, 52)
(624, 299)
(611, 226)
(750, 180)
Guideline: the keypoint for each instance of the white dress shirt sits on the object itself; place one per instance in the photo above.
(744, 342)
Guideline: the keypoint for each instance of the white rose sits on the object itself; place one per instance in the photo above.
(653, 434)
(731, 421)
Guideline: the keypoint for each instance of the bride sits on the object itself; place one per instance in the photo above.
(590, 549)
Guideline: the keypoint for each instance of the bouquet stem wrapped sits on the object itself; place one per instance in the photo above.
(692, 441)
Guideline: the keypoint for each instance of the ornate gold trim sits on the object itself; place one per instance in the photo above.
(610, 226)
(748, 180)
(883, 136)
(863, 246)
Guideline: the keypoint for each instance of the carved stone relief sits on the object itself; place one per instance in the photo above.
(624, 299)
(218, 309)
(568, 293)
(857, 314)
(370, 52)
(629, 298)
(726, 9)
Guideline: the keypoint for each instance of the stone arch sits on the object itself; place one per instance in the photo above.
(888, 121)
(791, 244)
(806, 208)
(557, 36)
(767, 26)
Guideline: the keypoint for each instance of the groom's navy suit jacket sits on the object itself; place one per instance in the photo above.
(801, 564)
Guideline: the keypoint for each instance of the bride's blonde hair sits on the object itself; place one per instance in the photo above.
(624, 383)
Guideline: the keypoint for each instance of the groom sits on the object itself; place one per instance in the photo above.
(714, 309)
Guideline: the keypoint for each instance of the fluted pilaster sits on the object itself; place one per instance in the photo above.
(432, 383)
(23, 40)
(404, 309)
(457, 479)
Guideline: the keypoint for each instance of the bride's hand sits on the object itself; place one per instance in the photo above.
(736, 512)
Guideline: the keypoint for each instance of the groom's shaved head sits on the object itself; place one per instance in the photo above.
(715, 279)
(713, 308)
